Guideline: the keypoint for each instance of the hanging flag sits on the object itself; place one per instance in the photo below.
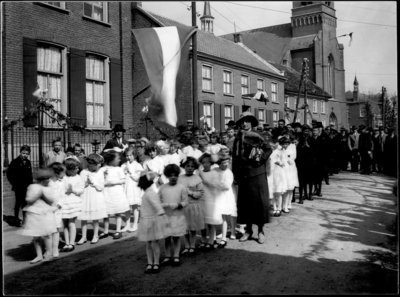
(350, 36)
(165, 52)
(37, 92)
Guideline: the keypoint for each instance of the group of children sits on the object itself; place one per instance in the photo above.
(174, 201)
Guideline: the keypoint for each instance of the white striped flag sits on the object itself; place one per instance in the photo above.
(165, 52)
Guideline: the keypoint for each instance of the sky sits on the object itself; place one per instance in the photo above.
(372, 55)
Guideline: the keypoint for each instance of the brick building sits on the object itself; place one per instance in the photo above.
(80, 52)
(226, 71)
(310, 34)
(356, 106)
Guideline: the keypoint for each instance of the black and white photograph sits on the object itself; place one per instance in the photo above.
(199, 148)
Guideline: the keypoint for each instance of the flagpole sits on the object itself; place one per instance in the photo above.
(194, 67)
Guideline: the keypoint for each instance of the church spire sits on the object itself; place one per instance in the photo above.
(355, 80)
(355, 89)
(207, 20)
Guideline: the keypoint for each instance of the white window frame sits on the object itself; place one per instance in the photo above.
(262, 83)
(230, 107)
(245, 86)
(308, 121)
(287, 101)
(275, 117)
(227, 83)
(206, 78)
(314, 106)
(211, 117)
(263, 119)
(274, 99)
(64, 83)
(62, 4)
(323, 123)
(105, 11)
(106, 91)
(323, 107)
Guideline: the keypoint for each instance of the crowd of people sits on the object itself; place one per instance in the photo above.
(199, 182)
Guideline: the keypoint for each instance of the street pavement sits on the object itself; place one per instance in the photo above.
(344, 242)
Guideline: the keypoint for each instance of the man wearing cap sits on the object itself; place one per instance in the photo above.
(352, 142)
(366, 146)
(248, 166)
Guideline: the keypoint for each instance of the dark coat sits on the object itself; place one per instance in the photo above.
(113, 142)
(253, 193)
(365, 143)
(20, 175)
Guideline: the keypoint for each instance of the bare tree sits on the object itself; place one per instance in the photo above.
(368, 113)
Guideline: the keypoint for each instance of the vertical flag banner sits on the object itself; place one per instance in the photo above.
(165, 52)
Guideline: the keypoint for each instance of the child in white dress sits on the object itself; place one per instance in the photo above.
(93, 202)
(134, 194)
(156, 164)
(174, 198)
(193, 212)
(175, 157)
(227, 199)
(116, 201)
(154, 224)
(212, 214)
(278, 162)
(39, 219)
(291, 175)
(71, 201)
(57, 184)
(195, 153)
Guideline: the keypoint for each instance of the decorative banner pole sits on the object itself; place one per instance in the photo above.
(305, 60)
(194, 67)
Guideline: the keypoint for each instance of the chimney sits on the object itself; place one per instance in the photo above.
(135, 4)
(285, 62)
(237, 37)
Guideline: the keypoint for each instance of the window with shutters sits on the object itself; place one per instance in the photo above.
(207, 72)
(261, 116)
(245, 84)
(52, 77)
(322, 107)
(275, 117)
(228, 111)
(274, 92)
(57, 4)
(96, 10)
(314, 106)
(208, 111)
(97, 90)
(228, 82)
(260, 85)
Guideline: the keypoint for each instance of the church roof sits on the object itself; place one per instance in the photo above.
(219, 47)
(273, 42)
(207, 9)
(293, 82)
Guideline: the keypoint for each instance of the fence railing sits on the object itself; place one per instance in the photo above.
(16, 136)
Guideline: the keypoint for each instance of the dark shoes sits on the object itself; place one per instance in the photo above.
(222, 244)
(300, 201)
(117, 235)
(103, 235)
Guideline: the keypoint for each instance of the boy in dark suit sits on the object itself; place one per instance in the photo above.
(19, 175)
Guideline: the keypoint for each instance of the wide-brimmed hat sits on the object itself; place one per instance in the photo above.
(296, 125)
(306, 127)
(222, 156)
(132, 140)
(249, 116)
(118, 128)
(144, 139)
(319, 125)
(231, 124)
(342, 128)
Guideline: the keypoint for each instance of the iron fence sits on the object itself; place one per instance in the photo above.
(16, 136)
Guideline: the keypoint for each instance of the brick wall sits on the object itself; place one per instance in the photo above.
(26, 19)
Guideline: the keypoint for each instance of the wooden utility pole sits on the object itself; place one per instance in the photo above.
(303, 75)
(305, 66)
(383, 107)
(194, 68)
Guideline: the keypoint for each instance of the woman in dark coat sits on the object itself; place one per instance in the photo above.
(250, 153)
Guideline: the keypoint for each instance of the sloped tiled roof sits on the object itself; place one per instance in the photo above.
(219, 47)
(293, 82)
(271, 43)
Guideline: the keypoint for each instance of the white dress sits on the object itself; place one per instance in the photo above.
(72, 203)
(270, 177)
(39, 215)
(279, 184)
(193, 212)
(215, 148)
(291, 169)
(175, 159)
(226, 202)
(93, 201)
(174, 195)
(59, 191)
(132, 174)
(212, 214)
(156, 165)
(115, 197)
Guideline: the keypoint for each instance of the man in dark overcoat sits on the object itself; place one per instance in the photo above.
(248, 166)
(317, 144)
(118, 141)
(19, 174)
(366, 146)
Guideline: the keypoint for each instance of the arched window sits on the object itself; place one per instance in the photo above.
(331, 75)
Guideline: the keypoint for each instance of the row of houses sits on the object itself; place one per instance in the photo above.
(85, 55)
